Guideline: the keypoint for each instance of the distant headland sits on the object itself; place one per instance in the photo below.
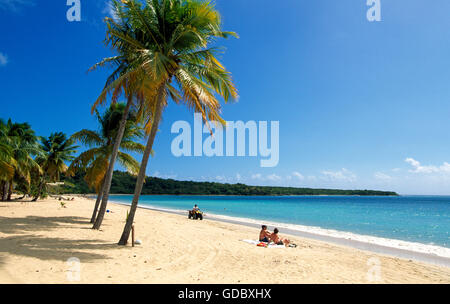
(123, 183)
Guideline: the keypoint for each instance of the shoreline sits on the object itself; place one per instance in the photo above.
(241, 195)
(344, 239)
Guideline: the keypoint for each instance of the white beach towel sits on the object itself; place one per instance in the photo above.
(256, 242)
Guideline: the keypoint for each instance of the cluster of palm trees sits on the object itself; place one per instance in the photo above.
(28, 162)
(164, 49)
(31, 165)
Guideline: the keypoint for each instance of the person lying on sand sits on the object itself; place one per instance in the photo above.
(264, 234)
(274, 237)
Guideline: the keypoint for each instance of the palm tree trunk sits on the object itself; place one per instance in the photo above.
(142, 170)
(97, 203)
(40, 189)
(10, 191)
(5, 191)
(109, 174)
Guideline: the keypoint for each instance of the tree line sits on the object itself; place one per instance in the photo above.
(123, 183)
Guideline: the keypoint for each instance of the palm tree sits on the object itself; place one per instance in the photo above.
(57, 151)
(95, 161)
(19, 145)
(166, 42)
(6, 161)
(126, 79)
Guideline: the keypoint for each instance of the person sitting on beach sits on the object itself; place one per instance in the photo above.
(274, 237)
(264, 234)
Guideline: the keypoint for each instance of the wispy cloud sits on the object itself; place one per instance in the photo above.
(343, 175)
(3, 59)
(382, 176)
(238, 177)
(15, 5)
(273, 177)
(298, 175)
(257, 176)
(165, 176)
(419, 168)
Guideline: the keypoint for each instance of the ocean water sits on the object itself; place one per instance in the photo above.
(412, 219)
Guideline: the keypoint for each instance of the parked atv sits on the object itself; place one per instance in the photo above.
(195, 215)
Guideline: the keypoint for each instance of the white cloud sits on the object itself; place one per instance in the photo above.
(257, 176)
(220, 178)
(15, 5)
(3, 59)
(298, 175)
(238, 177)
(157, 174)
(341, 175)
(382, 176)
(418, 168)
(274, 177)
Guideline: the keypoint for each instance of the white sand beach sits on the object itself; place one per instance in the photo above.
(37, 239)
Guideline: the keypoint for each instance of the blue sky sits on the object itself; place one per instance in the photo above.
(360, 104)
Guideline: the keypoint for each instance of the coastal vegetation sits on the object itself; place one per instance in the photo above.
(28, 163)
(123, 183)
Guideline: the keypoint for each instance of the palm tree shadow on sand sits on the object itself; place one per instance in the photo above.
(29, 244)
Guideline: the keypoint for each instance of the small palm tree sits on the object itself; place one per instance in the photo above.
(57, 151)
(95, 161)
(19, 146)
(167, 42)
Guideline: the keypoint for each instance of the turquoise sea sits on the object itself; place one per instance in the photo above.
(418, 219)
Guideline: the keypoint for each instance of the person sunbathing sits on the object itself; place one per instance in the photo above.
(264, 234)
(274, 237)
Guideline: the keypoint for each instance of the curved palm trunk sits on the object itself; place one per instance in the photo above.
(5, 191)
(141, 176)
(10, 191)
(109, 174)
(41, 188)
(97, 203)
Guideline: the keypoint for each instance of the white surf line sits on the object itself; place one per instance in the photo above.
(403, 249)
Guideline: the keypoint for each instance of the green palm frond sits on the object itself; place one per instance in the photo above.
(88, 138)
(129, 163)
(95, 161)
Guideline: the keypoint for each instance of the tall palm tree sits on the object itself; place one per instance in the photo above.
(167, 43)
(19, 145)
(95, 161)
(57, 151)
(127, 79)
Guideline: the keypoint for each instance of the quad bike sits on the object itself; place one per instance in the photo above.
(195, 215)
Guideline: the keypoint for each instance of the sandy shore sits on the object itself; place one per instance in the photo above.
(37, 239)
